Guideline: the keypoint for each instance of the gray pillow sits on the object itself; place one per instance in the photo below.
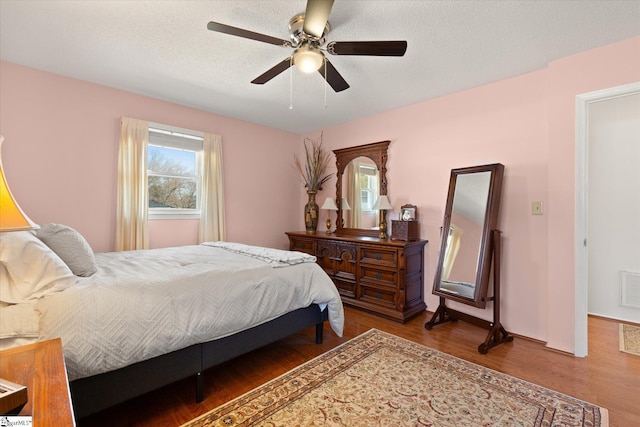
(71, 247)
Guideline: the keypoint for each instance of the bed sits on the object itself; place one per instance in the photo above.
(134, 321)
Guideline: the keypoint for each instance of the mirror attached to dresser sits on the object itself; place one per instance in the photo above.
(361, 176)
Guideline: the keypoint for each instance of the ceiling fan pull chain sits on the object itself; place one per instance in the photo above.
(325, 82)
(291, 83)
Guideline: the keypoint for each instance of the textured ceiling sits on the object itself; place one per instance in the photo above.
(163, 49)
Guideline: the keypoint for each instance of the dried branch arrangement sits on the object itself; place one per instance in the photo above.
(317, 161)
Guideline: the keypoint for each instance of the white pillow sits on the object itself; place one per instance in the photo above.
(19, 320)
(29, 269)
(71, 247)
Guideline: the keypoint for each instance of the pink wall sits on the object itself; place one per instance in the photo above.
(504, 122)
(60, 158)
(61, 144)
(610, 66)
(527, 123)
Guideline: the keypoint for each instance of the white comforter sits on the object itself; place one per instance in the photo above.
(142, 304)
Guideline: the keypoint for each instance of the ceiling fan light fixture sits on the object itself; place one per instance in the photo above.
(307, 59)
(308, 33)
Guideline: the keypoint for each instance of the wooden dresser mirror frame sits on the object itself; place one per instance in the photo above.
(377, 152)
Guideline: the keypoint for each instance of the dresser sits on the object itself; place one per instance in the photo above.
(384, 277)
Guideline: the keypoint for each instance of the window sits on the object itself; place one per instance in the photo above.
(365, 200)
(368, 186)
(174, 173)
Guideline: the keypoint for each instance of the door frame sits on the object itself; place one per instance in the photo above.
(581, 205)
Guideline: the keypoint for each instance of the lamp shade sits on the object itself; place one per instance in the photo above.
(11, 216)
(329, 204)
(382, 203)
(345, 205)
(308, 60)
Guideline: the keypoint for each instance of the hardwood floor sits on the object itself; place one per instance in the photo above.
(607, 377)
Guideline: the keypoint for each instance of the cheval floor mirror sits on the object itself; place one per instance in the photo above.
(468, 269)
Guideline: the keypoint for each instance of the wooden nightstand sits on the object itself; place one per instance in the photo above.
(40, 367)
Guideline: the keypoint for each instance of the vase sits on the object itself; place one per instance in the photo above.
(311, 213)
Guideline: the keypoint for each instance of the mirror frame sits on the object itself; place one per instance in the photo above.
(377, 152)
(483, 269)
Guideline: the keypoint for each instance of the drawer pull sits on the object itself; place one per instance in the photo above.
(378, 257)
(378, 276)
(378, 295)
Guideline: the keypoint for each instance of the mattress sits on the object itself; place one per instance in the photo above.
(141, 304)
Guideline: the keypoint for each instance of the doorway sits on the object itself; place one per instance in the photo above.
(592, 161)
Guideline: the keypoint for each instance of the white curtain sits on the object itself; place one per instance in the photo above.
(132, 203)
(354, 195)
(212, 226)
(453, 246)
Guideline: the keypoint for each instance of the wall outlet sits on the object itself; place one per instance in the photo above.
(536, 208)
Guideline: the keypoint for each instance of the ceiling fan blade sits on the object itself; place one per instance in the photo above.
(377, 48)
(316, 16)
(272, 72)
(234, 31)
(333, 77)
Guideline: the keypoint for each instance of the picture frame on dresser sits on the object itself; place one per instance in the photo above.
(408, 213)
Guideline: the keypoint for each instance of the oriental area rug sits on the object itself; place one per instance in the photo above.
(630, 339)
(378, 379)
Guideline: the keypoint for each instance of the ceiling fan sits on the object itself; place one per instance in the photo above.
(308, 33)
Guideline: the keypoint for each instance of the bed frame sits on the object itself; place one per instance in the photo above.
(96, 393)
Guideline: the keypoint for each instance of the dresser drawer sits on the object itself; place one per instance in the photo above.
(325, 253)
(302, 245)
(346, 289)
(345, 262)
(379, 256)
(377, 296)
(378, 276)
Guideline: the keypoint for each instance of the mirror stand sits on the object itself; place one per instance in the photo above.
(497, 334)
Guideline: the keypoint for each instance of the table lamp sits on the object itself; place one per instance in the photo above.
(345, 207)
(382, 204)
(11, 216)
(13, 396)
(330, 205)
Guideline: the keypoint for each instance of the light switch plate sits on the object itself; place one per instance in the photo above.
(536, 208)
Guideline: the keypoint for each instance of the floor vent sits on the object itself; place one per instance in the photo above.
(630, 289)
